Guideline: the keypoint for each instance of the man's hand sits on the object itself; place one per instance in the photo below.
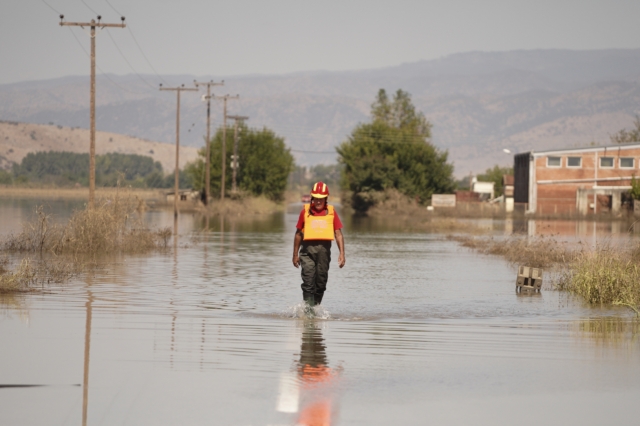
(296, 260)
(341, 260)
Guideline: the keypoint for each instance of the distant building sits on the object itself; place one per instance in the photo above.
(580, 180)
(484, 189)
(185, 195)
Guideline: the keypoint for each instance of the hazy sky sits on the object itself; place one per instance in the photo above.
(225, 38)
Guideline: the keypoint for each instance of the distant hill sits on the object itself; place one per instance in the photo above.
(18, 139)
(479, 103)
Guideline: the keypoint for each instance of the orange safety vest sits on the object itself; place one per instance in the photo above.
(318, 227)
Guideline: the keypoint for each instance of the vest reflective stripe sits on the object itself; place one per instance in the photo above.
(318, 227)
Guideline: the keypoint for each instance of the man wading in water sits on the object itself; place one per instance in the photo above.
(317, 226)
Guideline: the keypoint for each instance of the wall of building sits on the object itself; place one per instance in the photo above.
(557, 197)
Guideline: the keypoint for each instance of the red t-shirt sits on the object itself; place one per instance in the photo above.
(336, 220)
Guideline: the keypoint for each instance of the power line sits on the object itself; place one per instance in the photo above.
(50, 7)
(136, 42)
(114, 9)
(105, 75)
(89, 7)
(127, 61)
(143, 55)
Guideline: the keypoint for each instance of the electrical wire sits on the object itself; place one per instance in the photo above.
(51, 7)
(114, 9)
(89, 7)
(137, 44)
(100, 69)
(145, 56)
(127, 61)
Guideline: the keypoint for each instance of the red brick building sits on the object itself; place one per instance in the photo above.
(575, 181)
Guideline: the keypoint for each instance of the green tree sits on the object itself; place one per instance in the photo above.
(5, 177)
(265, 163)
(394, 151)
(68, 168)
(495, 175)
(628, 136)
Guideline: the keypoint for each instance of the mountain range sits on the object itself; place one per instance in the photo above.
(478, 102)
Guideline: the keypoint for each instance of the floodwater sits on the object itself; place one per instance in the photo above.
(415, 330)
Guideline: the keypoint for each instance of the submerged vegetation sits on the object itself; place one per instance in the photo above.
(605, 275)
(54, 252)
(540, 252)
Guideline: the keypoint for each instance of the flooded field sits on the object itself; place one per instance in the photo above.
(414, 330)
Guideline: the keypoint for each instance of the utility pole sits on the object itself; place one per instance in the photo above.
(92, 144)
(224, 139)
(178, 90)
(234, 163)
(207, 177)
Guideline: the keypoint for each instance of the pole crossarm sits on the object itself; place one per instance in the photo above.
(180, 89)
(238, 117)
(207, 170)
(91, 24)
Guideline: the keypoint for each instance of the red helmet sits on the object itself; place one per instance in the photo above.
(320, 190)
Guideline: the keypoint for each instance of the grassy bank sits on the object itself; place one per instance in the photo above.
(44, 252)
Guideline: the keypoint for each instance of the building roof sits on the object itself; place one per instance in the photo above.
(617, 147)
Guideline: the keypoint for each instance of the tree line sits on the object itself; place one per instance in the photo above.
(62, 168)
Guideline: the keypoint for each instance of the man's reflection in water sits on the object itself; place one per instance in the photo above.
(316, 384)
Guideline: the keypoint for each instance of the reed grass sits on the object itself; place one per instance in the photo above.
(538, 252)
(604, 276)
(113, 225)
(242, 205)
(30, 274)
(52, 253)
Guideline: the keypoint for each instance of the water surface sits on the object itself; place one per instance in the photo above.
(414, 330)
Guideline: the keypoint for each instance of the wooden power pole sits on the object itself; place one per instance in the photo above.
(224, 139)
(92, 144)
(234, 159)
(207, 173)
(176, 194)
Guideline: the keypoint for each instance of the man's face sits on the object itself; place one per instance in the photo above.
(318, 203)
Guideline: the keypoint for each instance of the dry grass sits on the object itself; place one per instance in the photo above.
(112, 226)
(604, 276)
(53, 252)
(30, 274)
(538, 252)
(242, 206)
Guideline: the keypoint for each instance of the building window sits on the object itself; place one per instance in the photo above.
(554, 162)
(574, 161)
(606, 162)
(626, 162)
